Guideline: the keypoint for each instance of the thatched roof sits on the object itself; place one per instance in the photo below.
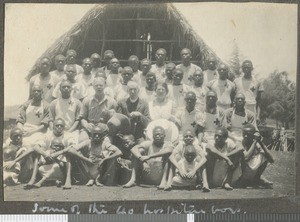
(77, 37)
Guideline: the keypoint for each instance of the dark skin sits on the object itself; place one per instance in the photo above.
(160, 57)
(150, 80)
(247, 68)
(126, 75)
(198, 78)
(87, 66)
(71, 73)
(134, 64)
(212, 63)
(240, 104)
(186, 57)
(95, 60)
(45, 67)
(114, 66)
(145, 67)
(177, 77)
(223, 72)
(169, 70)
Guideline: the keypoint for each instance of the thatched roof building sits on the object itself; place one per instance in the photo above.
(128, 29)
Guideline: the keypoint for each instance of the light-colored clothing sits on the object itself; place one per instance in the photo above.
(147, 95)
(179, 181)
(177, 93)
(137, 76)
(188, 71)
(161, 110)
(200, 95)
(224, 90)
(160, 72)
(47, 84)
(78, 90)
(188, 120)
(67, 109)
(250, 88)
(60, 74)
(113, 80)
(209, 75)
(79, 68)
(121, 92)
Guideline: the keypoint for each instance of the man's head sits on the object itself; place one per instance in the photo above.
(188, 137)
(223, 71)
(150, 79)
(71, 72)
(247, 68)
(16, 136)
(95, 58)
(190, 153)
(66, 89)
(36, 92)
(177, 76)
(108, 55)
(133, 90)
(58, 126)
(159, 135)
(99, 132)
(160, 55)
(71, 56)
(190, 100)
(127, 74)
(211, 98)
(99, 84)
(60, 62)
(197, 77)
(221, 135)
(169, 70)
(114, 65)
(145, 66)
(248, 132)
(186, 55)
(45, 65)
(239, 101)
(134, 62)
(128, 141)
(57, 144)
(211, 63)
(87, 66)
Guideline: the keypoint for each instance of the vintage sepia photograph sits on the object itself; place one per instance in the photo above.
(164, 101)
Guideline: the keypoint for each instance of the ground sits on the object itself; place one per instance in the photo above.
(282, 173)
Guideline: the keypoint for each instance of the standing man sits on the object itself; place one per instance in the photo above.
(134, 63)
(95, 59)
(71, 57)
(108, 55)
(211, 73)
(86, 78)
(250, 87)
(47, 81)
(60, 62)
(186, 66)
(224, 88)
(159, 68)
(145, 67)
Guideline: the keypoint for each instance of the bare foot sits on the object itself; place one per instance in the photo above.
(58, 183)
(129, 184)
(90, 183)
(28, 186)
(37, 185)
(168, 188)
(199, 186)
(161, 187)
(67, 186)
(98, 184)
(228, 187)
(205, 189)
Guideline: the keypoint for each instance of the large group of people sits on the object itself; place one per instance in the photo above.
(174, 126)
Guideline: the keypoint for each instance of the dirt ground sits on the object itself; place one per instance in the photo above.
(282, 173)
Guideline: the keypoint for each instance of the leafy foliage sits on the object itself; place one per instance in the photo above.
(278, 100)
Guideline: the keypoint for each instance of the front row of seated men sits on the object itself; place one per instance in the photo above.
(110, 157)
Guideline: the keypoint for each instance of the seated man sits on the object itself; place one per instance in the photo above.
(11, 150)
(236, 117)
(99, 165)
(95, 109)
(151, 160)
(257, 157)
(223, 161)
(136, 110)
(33, 116)
(188, 168)
(66, 107)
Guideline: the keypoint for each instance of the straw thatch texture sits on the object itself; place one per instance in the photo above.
(81, 36)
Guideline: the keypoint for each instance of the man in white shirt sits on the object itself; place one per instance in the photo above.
(159, 68)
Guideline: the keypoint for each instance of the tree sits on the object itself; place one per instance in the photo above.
(278, 100)
(235, 62)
